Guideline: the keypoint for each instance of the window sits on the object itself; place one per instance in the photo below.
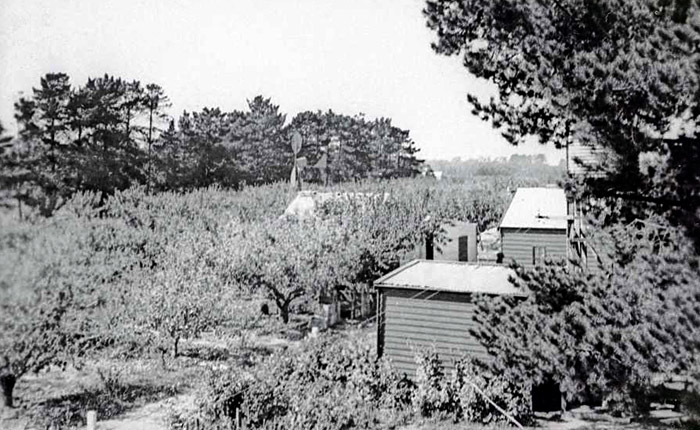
(539, 253)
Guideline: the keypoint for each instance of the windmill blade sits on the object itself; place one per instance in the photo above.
(296, 142)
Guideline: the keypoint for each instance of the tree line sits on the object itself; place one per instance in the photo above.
(110, 134)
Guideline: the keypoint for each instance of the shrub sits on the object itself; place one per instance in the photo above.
(473, 387)
(329, 383)
(434, 395)
(462, 394)
(605, 334)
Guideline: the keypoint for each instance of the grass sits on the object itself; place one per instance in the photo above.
(60, 398)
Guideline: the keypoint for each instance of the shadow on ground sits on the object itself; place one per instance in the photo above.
(69, 410)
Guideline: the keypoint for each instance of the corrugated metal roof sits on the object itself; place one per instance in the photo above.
(536, 208)
(451, 276)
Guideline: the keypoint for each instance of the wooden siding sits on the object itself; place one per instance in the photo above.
(411, 320)
(585, 160)
(518, 244)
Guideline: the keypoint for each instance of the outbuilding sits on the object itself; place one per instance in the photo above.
(535, 226)
(429, 303)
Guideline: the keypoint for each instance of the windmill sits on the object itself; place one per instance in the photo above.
(299, 163)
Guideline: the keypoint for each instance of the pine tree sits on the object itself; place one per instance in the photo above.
(262, 150)
(613, 334)
(617, 75)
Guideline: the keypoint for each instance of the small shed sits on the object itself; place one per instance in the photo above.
(428, 303)
(535, 226)
(457, 242)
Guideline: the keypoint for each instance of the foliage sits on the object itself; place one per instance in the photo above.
(8, 164)
(517, 170)
(183, 295)
(620, 76)
(258, 140)
(461, 395)
(82, 139)
(297, 261)
(354, 147)
(434, 395)
(142, 271)
(288, 261)
(50, 308)
(330, 383)
(108, 135)
(336, 382)
(602, 334)
(511, 396)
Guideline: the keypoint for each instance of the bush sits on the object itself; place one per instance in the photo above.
(329, 383)
(610, 333)
(474, 386)
(434, 396)
(462, 394)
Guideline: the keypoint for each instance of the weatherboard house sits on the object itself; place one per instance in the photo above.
(535, 226)
(431, 304)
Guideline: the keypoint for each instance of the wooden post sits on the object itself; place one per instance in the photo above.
(91, 420)
(363, 304)
(352, 308)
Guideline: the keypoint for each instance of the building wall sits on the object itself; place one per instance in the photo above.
(518, 244)
(457, 243)
(584, 160)
(411, 320)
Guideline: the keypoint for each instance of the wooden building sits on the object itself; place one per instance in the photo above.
(458, 241)
(587, 160)
(427, 304)
(535, 226)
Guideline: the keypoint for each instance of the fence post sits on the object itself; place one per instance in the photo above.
(91, 420)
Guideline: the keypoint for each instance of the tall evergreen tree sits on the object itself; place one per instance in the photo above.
(261, 150)
(43, 123)
(154, 102)
(112, 159)
(206, 159)
(622, 76)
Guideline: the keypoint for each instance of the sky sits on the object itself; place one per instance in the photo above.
(352, 56)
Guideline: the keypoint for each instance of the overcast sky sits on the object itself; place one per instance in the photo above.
(351, 56)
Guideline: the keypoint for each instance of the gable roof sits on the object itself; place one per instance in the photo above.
(537, 208)
(451, 276)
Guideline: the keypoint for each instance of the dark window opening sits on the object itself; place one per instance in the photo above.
(539, 253)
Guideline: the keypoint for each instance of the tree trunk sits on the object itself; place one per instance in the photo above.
(7, 383)
(284, 312)
(150, 144)
(352, 306)
(176, 342)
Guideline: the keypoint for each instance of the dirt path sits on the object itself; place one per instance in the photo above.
(153, 416)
